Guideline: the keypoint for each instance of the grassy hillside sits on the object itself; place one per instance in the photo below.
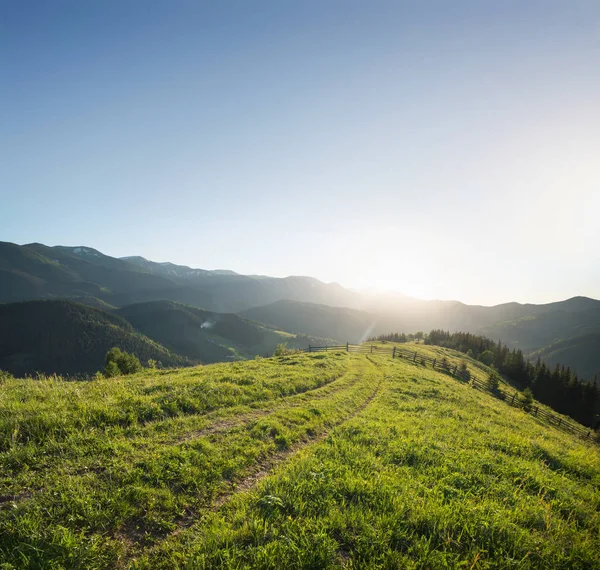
(63, 337)
(582, 352)
(324, 460)
(205, 335)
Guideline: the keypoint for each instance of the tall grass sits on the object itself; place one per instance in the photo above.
(306, 461)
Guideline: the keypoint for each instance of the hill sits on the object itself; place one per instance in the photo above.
(343, 324)
(36, 271)
(322, 460)
(82, 273)
(65, 337)
(537, 327)
(68, 338)
(583, 350)
(537, 331)
(205, 335)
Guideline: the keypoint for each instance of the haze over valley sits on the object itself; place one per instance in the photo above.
(152, 296)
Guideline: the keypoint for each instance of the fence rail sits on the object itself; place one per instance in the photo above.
(453, 367)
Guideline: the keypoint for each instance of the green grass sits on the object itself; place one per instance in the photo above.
(305, 461)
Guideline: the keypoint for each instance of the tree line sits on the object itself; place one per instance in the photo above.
(558, 387)
(397, 337)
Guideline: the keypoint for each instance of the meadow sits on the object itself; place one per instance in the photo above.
(319, 460)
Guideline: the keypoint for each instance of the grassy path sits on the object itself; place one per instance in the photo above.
(309, 461)
(339, 403)
(263, 469)
(433, 474)
(121, 489)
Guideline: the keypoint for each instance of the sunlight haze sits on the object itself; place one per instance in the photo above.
(443, 150)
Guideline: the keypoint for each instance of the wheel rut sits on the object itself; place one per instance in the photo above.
(240, 420)
(266, 466)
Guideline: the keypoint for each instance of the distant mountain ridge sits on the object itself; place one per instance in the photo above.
(36, 271)
(293, 304)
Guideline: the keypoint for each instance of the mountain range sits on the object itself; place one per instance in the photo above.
(130, 287)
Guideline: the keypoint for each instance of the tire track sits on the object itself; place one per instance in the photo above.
(240, 420)
(265, 467)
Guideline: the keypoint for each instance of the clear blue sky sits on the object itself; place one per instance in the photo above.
(443, 149)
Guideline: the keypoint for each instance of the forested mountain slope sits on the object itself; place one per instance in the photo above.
(63, 337)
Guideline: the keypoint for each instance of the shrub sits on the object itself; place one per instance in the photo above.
(282, 350)
(493, 382)
(121, 362)
(487, 357)
(526, 398)
(4, 375)
(111, 369)
(463, 371)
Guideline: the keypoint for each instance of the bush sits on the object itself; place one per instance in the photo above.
(493, 382)
(487, 357)
(111, 369)
(463, 371)
(283, 350)
(4, 375)
(121, 362)
(526, 398)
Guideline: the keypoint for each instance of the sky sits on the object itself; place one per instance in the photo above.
(441, 149)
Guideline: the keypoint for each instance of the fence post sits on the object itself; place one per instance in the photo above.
(415, 357)
(434, 363)
(394, 353)
(559, 421)
(513, 400)
(347, 347)
(455, 369)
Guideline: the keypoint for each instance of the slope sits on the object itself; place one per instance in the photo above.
(323, 460)
(205, 335)
(343, 324)
(582, 353)
(538, 331)
(541, 326)
(63, 337)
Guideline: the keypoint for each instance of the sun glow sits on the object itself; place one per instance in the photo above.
(386, 262)
(398, 280)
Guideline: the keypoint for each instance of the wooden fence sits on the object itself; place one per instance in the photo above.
(453, 367)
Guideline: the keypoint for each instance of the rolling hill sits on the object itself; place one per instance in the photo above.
(205, 335)
(65, 337)
(538, 327)
(582, 351)
(295, 304)
(536, 331)
(340, 323)
(323, 460)
(68, 338)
